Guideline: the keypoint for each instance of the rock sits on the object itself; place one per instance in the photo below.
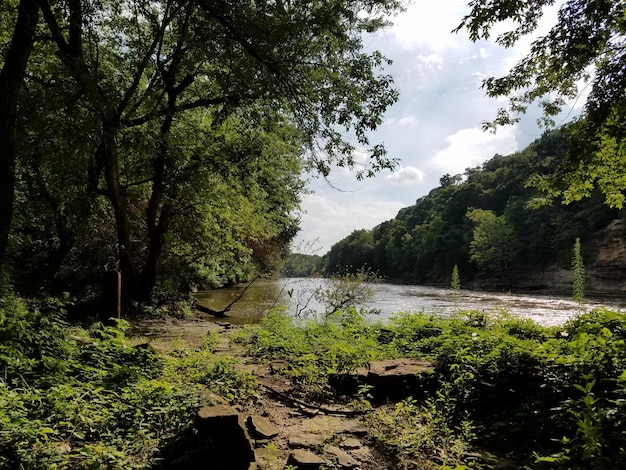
(344, 459)
(393, 379)
(224, 428)
(355, 429)
(261, 443)
(328, 425)
(351, 443)
(306, 441)
(304, 460)
(261, 428)
(403, 368)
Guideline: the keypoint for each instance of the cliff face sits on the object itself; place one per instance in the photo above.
(606, 273)
(605, 269)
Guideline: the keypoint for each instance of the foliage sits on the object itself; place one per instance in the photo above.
(302, 265)
(583, 50)
(315, 347)
(514, 386)
(167, 139)
(346, 290)
(225, 379)
(514, 225)
(76, 398)
(421, 437)
(455, 284)
(493, 244)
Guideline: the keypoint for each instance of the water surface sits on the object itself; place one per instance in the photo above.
(296, 295)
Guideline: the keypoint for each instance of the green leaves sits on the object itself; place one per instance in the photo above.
(583, 51)
(494, 244)
(99, 402)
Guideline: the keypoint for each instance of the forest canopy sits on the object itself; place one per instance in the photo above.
(482, 221)
(167, 139)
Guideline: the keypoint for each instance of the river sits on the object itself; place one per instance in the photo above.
(295, 294)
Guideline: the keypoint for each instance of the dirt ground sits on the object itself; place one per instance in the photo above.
(304, 428)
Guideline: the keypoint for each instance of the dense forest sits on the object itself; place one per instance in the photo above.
(167, 140)
(485, 220)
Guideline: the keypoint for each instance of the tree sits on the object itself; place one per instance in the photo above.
(11, 77)
(588, 44)
(494, 245)
(148, 69)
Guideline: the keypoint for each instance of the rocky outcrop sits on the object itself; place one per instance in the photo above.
(607, 272)
(219, 440)
(390, 380)
(604, 256)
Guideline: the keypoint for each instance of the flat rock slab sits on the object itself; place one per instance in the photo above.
(392, 379)
(334, 425)
(404, 367)
(344, 460)
(351, 443)
(305, 460)
(223, 427)
(261, 428)
(306, 441)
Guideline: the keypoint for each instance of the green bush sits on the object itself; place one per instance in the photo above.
(89, 399)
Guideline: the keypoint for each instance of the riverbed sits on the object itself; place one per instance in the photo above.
(296, 295)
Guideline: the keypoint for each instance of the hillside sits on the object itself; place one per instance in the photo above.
(500, 232)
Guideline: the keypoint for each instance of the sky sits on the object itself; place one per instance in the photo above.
(433, 129)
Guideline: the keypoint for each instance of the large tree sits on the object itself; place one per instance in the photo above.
(13, 62)
(584, 52)
(152, 79)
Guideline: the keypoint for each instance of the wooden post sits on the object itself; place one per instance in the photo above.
(112, 295)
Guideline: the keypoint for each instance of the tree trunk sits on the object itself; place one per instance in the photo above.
(11, 77)
(157, 214)
(110, 130)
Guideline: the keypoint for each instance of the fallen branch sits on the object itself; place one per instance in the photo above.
(225, 310)
(300, 403)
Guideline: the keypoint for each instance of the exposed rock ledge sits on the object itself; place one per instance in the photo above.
(605, 269)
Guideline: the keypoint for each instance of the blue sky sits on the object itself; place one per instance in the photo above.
(433, 129)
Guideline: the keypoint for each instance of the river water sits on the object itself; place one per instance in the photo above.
(296, 295)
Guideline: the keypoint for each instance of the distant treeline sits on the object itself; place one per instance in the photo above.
(484, 220)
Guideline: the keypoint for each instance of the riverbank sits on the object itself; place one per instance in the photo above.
(486, 391)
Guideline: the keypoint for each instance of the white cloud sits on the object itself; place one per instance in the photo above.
(327, 221)
(434, 127)
(406, 176)
(421, 26)
(470, 147)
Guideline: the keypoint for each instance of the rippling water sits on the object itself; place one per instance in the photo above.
(296, 296)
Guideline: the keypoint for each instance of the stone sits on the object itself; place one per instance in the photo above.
(224, 428)
(344, 460)
(258, 443)
(355, 429)
(261, 428)
(328, 425)
(305, 460)
(390, 380)
(305, 441)
(351, 443)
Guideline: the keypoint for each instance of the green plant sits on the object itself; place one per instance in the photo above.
(89, 399)
(422, 436)
(456, 287)
(598, 441)
(345, 290)
(578, 268)
(224, 378)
